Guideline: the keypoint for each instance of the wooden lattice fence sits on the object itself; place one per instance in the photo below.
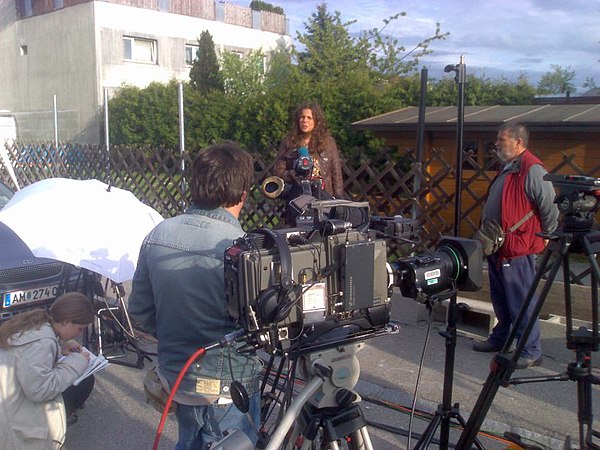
(388, 181)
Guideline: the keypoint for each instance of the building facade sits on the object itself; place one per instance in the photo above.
(75, 49)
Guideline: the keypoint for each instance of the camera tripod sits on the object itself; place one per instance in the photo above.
(445, 411)
(574, 239)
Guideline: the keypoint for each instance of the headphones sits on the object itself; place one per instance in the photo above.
(272, 304)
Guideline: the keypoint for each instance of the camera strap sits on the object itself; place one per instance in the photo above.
(285, 257)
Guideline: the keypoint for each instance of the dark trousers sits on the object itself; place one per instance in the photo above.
(75, 396)
(509, 284)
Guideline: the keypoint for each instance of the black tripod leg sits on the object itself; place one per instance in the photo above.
(503, 365)
(429, 433)
(463, 424)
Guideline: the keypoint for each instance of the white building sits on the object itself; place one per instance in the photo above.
(74, 49)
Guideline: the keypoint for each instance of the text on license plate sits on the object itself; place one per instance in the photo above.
(30, 296)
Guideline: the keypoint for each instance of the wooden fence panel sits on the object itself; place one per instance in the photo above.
(386, 181)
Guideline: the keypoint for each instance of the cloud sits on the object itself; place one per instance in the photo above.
(498, 36)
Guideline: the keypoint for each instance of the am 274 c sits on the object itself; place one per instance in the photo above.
(33, 295)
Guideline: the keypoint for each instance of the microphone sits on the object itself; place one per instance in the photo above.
(303, 165)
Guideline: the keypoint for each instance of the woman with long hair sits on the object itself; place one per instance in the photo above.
(33, 379)
(309, 132)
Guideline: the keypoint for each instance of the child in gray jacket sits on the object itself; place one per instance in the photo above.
(32, 380)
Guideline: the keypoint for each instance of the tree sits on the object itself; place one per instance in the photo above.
(589, 83)
(145, 116)
(204, 74)
(257, 5)
(243, 76)
(557, 82)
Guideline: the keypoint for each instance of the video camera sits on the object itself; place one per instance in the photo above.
(578, 199)
(296, 289)
(275, 187)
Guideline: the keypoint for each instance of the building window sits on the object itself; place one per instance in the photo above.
(139, 50)
(191, 52)
(23, 50)
(27, 8)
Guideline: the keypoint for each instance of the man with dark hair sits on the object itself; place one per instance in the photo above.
(522, 202)
(178, 295)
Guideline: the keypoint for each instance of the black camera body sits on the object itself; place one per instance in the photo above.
(298, 286)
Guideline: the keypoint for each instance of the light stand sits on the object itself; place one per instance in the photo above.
(112, 327)
(446, 411)
(460, 78)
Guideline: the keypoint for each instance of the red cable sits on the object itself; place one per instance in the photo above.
(197, 354)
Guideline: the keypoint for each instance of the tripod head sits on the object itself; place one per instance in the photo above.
(578, 199)
(339, 368)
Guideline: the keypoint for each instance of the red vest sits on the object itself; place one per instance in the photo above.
(515, 205)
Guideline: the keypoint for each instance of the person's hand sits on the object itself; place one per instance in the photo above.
(71, 347)
(74, 347)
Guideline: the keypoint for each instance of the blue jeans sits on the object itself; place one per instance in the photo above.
(509, 284)
(201, 425)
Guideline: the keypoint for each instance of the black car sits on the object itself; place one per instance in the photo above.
(25, 280)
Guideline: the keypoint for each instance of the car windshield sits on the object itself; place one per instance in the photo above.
(5, 194)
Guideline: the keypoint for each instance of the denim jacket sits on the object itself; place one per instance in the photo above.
(178, 294)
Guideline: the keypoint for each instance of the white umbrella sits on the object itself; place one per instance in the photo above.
(82, 222)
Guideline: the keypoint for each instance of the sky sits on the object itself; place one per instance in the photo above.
(497, 38)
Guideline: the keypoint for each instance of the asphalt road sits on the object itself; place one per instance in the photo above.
(117, 417)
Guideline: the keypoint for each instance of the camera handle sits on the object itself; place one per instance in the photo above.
(583, 341)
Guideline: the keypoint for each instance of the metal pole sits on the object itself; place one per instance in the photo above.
(460, 77)
(55, 120)
(106, 133)
(420, 142)
(181, 127)
(107, 139)
(182, 144)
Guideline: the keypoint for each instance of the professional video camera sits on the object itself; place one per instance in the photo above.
(578, 199)
(297, 288)
(275, 187)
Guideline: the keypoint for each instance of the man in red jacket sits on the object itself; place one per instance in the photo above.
(518, 194)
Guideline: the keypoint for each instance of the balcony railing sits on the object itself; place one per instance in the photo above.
(204, 9)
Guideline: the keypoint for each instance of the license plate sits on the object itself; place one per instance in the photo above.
(16, 298)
